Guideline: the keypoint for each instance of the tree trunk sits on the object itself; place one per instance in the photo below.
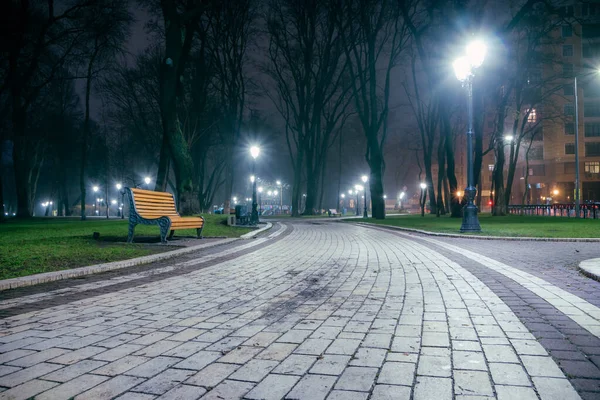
(441, 177)
(455, 206)
(163, 166)
(86, 134)
(376, 178)
(21, 161)
(296, 190)
(2, 208)
(499, 206)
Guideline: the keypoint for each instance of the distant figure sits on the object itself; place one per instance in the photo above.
(329, 213)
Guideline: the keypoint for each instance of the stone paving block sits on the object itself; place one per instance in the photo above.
(402, 357)
(27, 390)
(78, 355)
(312, 387)
(185, 350)
(313, 346)
(73, 387)
(38, 357)
(500, 353)
(164, 381)
(472, 383)
(343, 346)
(198, 360)
(295, 364)
(434, 366)
(435, 339)
(509, 374)
(229, 390)
(7, 369)
(330, 364)
(136, 396)
(295, 336)
(82, 342)
(262, 339)
(378, 340)
(397, 373)
(74, 370)
(119, 340)
(469, 360)
(555, 388)
(122, 365)
(212, 375)
(368, 357)
(226, 344)
(157, 349)
(406, 344)
(254, 370)
(541, 366)
(111, 388)
(24, 375)
(528, 347)
(515, 392)
(428, 388)
(273, 387)
(359, 379)
(117, 352)
(346, 395)
(187, 334)
(276, 351)
(14, 354)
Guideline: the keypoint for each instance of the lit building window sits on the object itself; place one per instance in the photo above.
(532, 117)
(491, 167)
(592, 167)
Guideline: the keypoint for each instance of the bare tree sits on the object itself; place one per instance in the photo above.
(374, 35)
(309, 68)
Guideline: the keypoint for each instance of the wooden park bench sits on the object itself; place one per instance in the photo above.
(147, 207)
(333, 212)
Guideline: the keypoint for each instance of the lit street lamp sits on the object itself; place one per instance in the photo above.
(280, 196)
(464, 69)
(423, 186)
(365, 178)
(122, 191)
(254, 152)
(358, 189)
(147, 181)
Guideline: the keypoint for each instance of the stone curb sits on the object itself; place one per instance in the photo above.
(252, 235)
(94, 269)
(456, 235)
(590, 268)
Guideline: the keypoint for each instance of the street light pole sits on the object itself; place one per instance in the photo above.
(280, 184)
(577, 199)
(464, 68)
(254, 152)
(365, 178)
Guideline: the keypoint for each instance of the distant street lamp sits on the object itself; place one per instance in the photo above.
(280, 196)
(254, 152)
(147, 181)
(365, 178)
(423, 186)
(122, 191)
(464, 69)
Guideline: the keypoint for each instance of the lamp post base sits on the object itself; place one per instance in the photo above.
(365, 214)
(470, 222)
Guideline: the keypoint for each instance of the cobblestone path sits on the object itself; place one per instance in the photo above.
(311, 311)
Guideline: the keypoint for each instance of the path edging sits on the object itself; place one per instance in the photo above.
(252, 235)
(457, 235)
(97, 268)
(590, 268)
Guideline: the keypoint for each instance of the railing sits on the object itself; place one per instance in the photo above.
(586, 210)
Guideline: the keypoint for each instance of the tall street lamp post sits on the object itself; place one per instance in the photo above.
(365, 178)
(577, 199)
(423, 186)
(464, 69)
(280, 196)
(357, 189)
(254, 152)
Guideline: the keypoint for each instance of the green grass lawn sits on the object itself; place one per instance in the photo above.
(510, 225)
(50, 244)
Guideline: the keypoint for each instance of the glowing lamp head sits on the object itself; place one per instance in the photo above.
(118, 186)
(423, 185)
(402, 195)
(476, 51)
(462, 68)
(254, 151)
(147, 180)
(364, 178)
(260, 189)
(95, 189)
(278, 183)
(343, 196)
(358, 188)
(508, 138)
(252, 178)
(269, 193)
(275, 192)
(113, 202)
(385, 196)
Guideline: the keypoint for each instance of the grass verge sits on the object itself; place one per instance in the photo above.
(507, 226)
(39, 245)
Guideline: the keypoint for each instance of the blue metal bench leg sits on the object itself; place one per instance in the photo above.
(130, 234)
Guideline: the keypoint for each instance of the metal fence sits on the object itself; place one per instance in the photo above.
(586, 210)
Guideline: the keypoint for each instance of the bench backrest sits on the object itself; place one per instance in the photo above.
(150, 204)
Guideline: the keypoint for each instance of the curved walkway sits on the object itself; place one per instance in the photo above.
(318, 311)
